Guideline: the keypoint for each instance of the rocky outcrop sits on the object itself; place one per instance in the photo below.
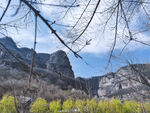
(126, 83)
(57, 62)
(52, 68)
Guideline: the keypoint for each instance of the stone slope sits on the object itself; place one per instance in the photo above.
(122, 84)
(57, 61)
(53, 68)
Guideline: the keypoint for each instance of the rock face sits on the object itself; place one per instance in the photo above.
(55, 69)
(126, 83)
(52, 68)
(57, 62)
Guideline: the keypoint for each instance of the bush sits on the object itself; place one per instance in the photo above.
(39, 106)
(147, 107)
(92, 106)
(104, 106)
(131, 107)
(68, 105)
(7, 104)
(88, 106)
(55, 106)
(80, 105)
(115, 106)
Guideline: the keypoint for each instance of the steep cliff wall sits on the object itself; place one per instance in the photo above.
(126, 83)
(53, 68)
(56, 69)
(57, 61)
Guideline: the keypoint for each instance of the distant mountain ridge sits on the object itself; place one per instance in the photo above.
(57, 61)
(56, 69)
(126, 83)
(52, 68)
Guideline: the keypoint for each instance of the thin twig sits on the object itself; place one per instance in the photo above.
(88, 22)
(5, 10)
(56, 5)
(33, 52)
(127, 24)
(50, 27)
(81, 14)
(116, 32)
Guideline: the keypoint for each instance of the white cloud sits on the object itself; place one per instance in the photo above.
(102, 42)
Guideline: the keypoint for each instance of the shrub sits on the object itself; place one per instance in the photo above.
(104, 106)
(92, 106)
(115, 106)
(80, 105)
(147, 107)
(68, 105)
(88, 106)
(55, 106)
(131, 107)
(7, 104)
(39, 106)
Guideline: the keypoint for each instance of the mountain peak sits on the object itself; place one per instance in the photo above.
(8, 42)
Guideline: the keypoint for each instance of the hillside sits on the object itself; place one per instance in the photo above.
(55, 69)
(126, 83)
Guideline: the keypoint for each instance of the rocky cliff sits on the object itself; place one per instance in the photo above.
(128, 82)
(52, 68)
(57, 61)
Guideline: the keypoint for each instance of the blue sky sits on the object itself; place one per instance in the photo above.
(98, 63)
(96, 54)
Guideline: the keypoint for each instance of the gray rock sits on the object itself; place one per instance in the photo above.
(59, 62)
(24, 100)
(122, 84)
(56, 62)
(55, 69)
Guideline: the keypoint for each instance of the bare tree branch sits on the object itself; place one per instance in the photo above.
(89, 21)
(116, 31)
(50, 27)
(5, 10)
(33, 51)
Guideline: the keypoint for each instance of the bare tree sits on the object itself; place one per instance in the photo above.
(116, 12)
(119, 18)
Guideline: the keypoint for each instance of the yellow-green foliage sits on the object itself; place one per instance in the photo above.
(39, 106)
(131, 107)
(115, 106)
(104, 106)
(147, 107)
(80, 105)
(68, 105)
(89, 106)
(7, 104)
(92, 106)
(55, 106)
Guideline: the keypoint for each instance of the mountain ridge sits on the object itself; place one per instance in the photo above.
(56, 69)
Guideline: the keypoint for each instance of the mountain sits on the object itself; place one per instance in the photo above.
(52, 68)
(131, 81)
(57, 61)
